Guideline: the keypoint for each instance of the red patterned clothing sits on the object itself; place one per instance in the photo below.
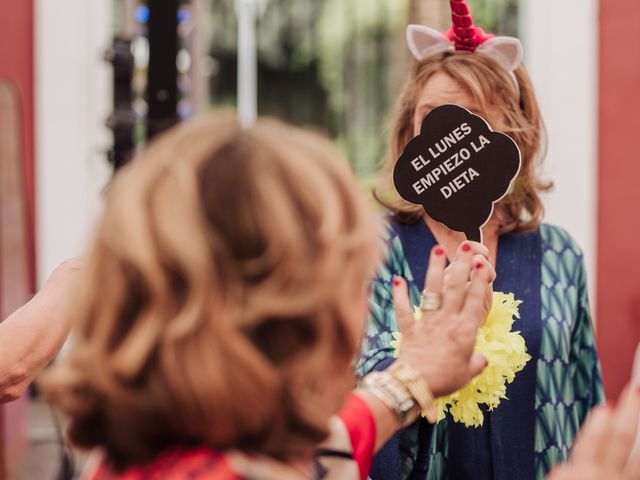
(199, 464)
(206, 464)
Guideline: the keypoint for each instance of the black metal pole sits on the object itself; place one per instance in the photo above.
(162, 86)
(123, 119)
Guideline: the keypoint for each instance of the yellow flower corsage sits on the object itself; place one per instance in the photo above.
(507, 355)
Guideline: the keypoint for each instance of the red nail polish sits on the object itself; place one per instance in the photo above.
(466, 247)
(439, 251)
(479, 265)
(396, 282)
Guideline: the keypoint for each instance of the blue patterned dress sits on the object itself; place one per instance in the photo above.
(548, 401)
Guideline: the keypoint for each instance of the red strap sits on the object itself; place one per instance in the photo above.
(361, 425)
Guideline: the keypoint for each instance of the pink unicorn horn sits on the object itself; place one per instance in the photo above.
(463, 32)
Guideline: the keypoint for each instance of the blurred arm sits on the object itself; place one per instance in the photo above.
(32, 335)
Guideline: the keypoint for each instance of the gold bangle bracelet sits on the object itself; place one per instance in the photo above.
(415, 384)
(391, 392)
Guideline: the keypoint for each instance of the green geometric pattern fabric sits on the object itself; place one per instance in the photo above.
(569, 378)
(382, 319)
(568, 371)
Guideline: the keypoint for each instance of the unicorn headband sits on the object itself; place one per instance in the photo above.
(463, 35)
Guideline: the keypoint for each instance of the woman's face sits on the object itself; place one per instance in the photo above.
(439, 90)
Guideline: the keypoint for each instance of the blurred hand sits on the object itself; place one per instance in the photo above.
(32, 335)
(440, 345)
(604, 446)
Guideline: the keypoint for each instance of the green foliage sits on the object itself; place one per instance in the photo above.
(284, 26)
(334, 63)
(496, 16)
(356, 40)
(345, 23)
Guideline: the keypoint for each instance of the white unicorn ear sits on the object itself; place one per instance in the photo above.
(424, 41)
(507, 51)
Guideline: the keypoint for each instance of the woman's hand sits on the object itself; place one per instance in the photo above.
(32, 335)
(440, 345)
(604, 449)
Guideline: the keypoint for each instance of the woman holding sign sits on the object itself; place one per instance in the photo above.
(558, 382)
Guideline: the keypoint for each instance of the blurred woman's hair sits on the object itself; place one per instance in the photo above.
(509, 110)
(214, 304)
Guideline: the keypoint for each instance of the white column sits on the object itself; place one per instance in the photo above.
(561, 52)
(200, 61)
(246, 11)
(73, 99)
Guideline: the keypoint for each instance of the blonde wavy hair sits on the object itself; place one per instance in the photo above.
(215, 301)
(513, 112)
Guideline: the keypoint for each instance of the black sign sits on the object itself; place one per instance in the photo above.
(457, 169)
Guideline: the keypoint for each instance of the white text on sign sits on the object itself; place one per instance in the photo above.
(450, 164)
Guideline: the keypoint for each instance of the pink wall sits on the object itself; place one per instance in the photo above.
(17, 64)
(619, 191)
